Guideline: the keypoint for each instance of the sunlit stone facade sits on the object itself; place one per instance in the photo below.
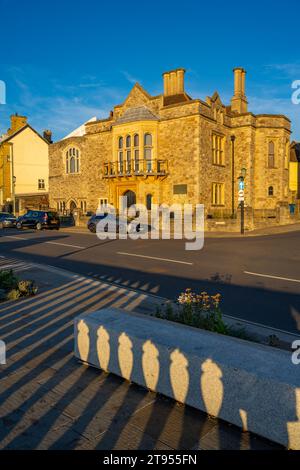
(172, 148)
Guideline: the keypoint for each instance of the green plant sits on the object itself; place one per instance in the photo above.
(11, 288)
(8, 280)
(198, 310)
(27, 288)
(13, 294)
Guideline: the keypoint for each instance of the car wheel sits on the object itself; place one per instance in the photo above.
(19, 226)
(38, 226)
(92, 228)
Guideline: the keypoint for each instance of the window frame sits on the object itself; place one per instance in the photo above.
(218, 149)
(41, 184)
(218, 194)
(271, 155)
(72, 157)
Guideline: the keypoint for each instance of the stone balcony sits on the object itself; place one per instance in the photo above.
(135, 168)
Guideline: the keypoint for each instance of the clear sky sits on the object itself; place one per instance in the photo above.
(66, 61)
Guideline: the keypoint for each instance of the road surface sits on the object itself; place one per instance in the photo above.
(258, 277)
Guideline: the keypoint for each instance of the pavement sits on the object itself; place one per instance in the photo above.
(50, 401)
(271, 230)
(258, 277)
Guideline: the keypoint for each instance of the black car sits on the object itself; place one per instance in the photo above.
(7, 220)
(39, 220)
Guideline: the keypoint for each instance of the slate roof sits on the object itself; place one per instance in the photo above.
(139, 113)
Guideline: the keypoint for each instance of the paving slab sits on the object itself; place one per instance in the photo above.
(50, 401)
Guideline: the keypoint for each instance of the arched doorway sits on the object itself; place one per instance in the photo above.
(131, 198)
(73, 206)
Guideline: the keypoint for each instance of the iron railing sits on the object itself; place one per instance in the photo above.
(135, 168)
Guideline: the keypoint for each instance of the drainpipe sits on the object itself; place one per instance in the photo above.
(232, 176)
(11, 159)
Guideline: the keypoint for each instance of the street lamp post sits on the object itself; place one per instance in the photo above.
(242, 198)
(232, 176)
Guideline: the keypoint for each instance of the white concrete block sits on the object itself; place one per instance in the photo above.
(252, 386)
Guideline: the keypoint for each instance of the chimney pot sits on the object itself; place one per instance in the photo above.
(16, 123)
(48, 136)
(174, 82)
(239, 102)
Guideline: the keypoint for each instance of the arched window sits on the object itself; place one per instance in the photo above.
(149, 202)
(120, 142)
(128, 154)
(72, 161)
(148, 150)
(136, 151)
(128, 141)
(148, 140)
(72, 165)
(271, 155)
(271, 191)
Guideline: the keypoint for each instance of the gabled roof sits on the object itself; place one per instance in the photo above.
(139, 113)
(7, 138)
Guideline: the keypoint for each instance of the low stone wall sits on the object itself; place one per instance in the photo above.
(252, 386)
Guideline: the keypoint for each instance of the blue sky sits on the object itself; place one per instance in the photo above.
(66, 61)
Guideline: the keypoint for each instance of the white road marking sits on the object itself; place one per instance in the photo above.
(66, 244)
(272, 277)
(48, 243)
(15, 238)
(154, 257)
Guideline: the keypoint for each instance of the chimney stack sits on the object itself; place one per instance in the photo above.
(16, 123)
(174, 82)
(48, 136)
(239, 103)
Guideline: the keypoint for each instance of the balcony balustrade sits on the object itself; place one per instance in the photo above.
(135, 168)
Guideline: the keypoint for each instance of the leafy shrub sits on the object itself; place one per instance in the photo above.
(11, 288)
(198, 310)
(13, 294)
(27, 288)
(8, 280)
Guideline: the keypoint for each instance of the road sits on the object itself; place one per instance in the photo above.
(258, 277)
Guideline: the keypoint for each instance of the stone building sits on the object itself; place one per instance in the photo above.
(24, 167)
(170, 149)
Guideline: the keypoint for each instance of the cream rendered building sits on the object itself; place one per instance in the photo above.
(172, 148)
(24, 166)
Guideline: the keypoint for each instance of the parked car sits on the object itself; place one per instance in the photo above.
(39, 220)
(131, 225)
(7, 220)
